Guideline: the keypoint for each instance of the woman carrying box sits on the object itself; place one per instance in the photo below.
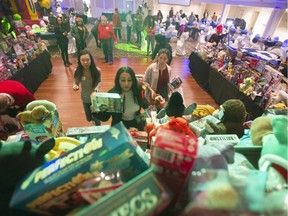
(127, 86)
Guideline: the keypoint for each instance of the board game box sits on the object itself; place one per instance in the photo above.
(53, 187)
(106, 102)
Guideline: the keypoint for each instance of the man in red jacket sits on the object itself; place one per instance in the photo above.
(14, 97)
(107, 38)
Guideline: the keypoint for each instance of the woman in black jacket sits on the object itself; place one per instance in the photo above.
(61, 32)
(126, 84)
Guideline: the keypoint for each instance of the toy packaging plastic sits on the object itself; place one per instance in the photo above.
(198, 126)
(173, 156)
(52, 188)
(222, 138)
(85, 133)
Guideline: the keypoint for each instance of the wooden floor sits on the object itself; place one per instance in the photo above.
(58, 87)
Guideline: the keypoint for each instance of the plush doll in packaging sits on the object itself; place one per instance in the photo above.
(16, 160)
(232, 114)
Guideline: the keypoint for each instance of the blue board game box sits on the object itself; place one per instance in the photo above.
(53, 187)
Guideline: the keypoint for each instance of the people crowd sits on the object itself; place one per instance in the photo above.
(147, 27)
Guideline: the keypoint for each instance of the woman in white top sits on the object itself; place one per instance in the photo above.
(126, 84)
(157, 76)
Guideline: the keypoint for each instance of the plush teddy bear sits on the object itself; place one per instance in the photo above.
(49, 105)
(35, 115)
(232, 114)
(271, 132)
(16, 160)
(202, 111)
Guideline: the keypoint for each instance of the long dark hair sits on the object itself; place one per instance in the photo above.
(136, 88)
(95, 73)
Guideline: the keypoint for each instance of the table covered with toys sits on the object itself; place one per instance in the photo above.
(255, 77)
(190, 160)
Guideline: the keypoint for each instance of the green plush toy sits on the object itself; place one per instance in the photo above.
(16, 160)
(276, 142)
(232, 114)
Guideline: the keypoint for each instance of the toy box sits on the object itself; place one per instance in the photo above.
(103, 183)
(141, 137)
(175, 83)
(143, 195)
(173, 156)
(51, 127)
(85, 133)
(198, 126)
(52, 188)
(106, 102)
(222, 138)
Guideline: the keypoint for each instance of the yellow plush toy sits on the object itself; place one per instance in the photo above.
(62, 145)
(203, 110)
(35, 115)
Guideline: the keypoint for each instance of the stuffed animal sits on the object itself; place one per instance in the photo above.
(62, 145)
(35, 115)
(174, 109)
(16, 160)
(232, 114)
(49, 105)
(279, 101)
(247, 87)
(271, 132)
(202, 111)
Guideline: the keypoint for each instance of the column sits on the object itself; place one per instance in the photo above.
(273, 22)
(224, 13)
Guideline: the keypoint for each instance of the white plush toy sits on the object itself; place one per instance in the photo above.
(180, 49)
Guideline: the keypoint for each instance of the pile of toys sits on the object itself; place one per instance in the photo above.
(180, 174)
(259, 79)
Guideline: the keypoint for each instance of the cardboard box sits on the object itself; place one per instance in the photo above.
(85, 133)
(51, 127)
(143, 195)
(198, 126)
(173, 156)
(52, 188)
(222, 138)
(106, 102)
(175, 83)
(141, 137)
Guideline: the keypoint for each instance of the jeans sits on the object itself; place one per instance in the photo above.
(107, 46)
(150, 40)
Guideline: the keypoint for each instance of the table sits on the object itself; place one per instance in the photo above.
(47, 36)
(219, 87)
(32, 75)
(200, 70)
